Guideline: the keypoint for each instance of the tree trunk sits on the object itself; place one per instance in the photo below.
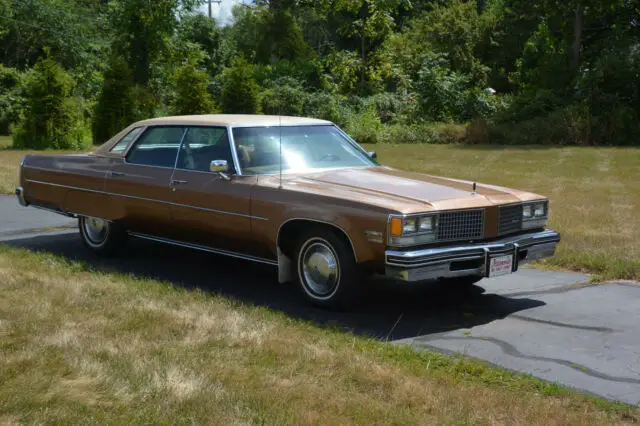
(364, 12)
(577, 37)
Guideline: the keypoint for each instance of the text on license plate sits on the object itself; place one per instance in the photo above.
(501, 265)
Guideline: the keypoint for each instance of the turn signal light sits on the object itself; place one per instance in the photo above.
(396, 227)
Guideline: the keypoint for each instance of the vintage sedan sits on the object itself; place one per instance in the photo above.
(295, 193)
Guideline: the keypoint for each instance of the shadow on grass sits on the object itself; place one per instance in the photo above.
(391, 310)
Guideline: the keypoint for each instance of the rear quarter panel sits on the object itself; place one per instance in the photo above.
(73, 183)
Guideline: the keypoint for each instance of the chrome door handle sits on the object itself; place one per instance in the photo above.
(116, 174)
(178, 182)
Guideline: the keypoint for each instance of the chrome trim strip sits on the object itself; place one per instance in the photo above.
(175, 163)
(438, 254)
(353, 248)
(245, 125)
(147, 199)
(205, 248)
(234, 152)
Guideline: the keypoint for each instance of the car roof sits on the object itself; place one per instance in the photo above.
(234, 120)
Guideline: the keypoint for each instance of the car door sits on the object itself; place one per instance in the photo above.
(139, 183)
(210, 209)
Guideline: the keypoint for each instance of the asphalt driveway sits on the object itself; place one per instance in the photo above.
(553, 325)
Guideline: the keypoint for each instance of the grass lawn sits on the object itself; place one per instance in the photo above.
(85, 346)
(594, 192)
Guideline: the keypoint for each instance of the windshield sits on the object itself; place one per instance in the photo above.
(304, 148)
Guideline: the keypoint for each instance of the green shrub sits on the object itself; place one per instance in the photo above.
(240, 91)
(427, 133)
(52, 119)
(441, 92)
(387, 105)
(284, 96)
(190, 94)
(12, 98)
(365, 126)
(327, 107)
(115, 107)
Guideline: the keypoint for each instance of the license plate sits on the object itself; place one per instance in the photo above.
(501, 265)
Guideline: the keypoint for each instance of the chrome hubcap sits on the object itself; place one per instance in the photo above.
(96, 229)
(320, 268)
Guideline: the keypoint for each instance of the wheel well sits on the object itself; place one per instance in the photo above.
(291, 229)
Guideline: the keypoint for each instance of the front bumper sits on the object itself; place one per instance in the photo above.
(468, 259)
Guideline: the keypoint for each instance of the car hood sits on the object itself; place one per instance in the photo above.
(408, 192)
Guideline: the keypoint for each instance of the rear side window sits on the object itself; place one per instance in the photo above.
(126, 140)
(157, 146)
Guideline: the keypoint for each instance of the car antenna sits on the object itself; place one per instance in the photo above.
(280, 143)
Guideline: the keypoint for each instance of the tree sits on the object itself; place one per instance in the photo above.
(28, 26)
(240, 91)
(367, 21)
(191, 96)
(202, 32)
(142, 28)
(11, 97)
(114, 109)
(52, 118)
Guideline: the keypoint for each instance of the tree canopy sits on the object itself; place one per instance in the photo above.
(544, 71)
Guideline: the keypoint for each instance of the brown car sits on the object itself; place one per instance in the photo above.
(295, 193)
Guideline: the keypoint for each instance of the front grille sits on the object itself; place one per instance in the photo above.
(510, 219)
(463, 225)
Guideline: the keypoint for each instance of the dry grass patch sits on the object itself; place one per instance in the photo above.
(85, 346)
(594, 192)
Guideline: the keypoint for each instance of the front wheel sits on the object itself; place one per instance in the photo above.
(326, 270)
(101, 236)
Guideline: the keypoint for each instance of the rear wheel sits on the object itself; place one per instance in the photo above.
(326, 270)
(101, 236)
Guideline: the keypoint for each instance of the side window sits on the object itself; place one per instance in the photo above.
(158, 146)
(201, 146)
(126, 140)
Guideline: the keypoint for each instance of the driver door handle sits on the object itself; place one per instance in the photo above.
(175, 182)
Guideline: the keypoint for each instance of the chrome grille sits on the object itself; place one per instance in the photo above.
(510, 219)
(462, 225)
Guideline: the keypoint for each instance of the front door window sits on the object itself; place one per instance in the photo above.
(201, 146)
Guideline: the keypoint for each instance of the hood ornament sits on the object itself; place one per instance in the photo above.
(474, 189)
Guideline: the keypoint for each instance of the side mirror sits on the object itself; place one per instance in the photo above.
(373, 155)
(220, 167)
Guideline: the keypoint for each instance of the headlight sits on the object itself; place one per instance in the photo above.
(535, 215)
(410, 225)
(412, 230)
(428, 223)
(539, 210)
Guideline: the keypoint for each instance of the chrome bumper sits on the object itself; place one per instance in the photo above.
(20, 195)
(468, 259)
